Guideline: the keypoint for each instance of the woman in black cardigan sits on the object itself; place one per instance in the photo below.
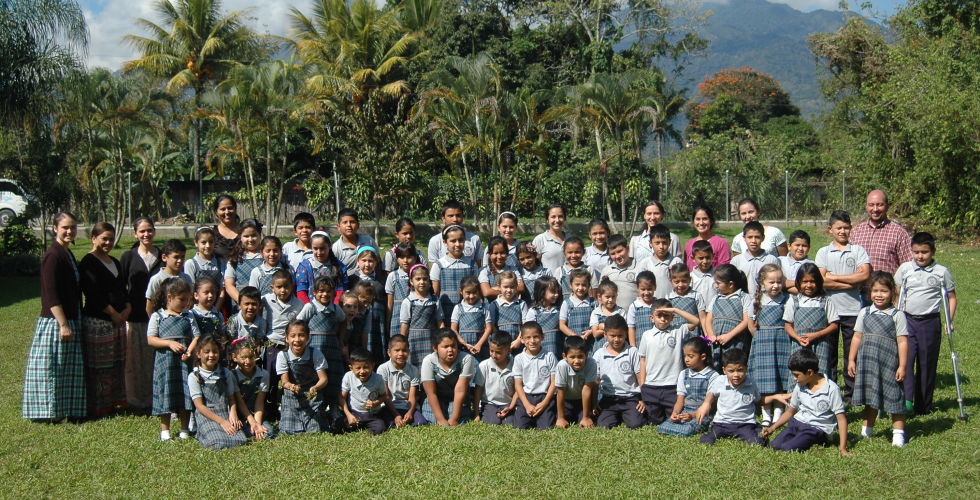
(103, 321)
(138, 265)
(54, 385)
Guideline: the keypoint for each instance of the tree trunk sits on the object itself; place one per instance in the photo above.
(268, 182)
(603, 172)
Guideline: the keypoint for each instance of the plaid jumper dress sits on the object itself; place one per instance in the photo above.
(214, 391)
(449, 292)
(401, 288)
(769, 360)
(243, 271)
(471, 326)
(578, 320)
(323, 337)
(420, 328)
(697, 388)
(170, 392)
(300, 415)
(554, 340)
(877, 361)
(687, 304)
(814, 319)
(725, 316)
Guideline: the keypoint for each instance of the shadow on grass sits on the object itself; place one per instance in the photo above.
(18, 289)
(950, 403)
(925, 426)
(946, 379)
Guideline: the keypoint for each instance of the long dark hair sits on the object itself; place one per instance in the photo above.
(239, 250)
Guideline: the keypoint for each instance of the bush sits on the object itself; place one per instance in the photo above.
(19, 250)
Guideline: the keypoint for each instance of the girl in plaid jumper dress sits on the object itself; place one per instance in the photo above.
(471, 320)
(877, 359)
(811, 319)
(173, 332)
(215, 396)
(769, 359)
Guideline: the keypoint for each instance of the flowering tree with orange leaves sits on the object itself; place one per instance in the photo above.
(737, 97)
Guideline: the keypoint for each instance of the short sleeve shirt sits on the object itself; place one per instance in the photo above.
(771, 239)
(157, 280)
(617, 372)
(497, 383)
(736, 405)
(572, 303)
(433, 371)
(699, 301)
(704, 283)
(640, 246)
(472, 248)
(789, 310)
(818, 408)
(888, 244)
(359, 393)
(399, 381)
(550, 250)
(901, 326)
(574, 381)
(843, 262)
(596, 259)
(921, 287)
(663, 352)
(259, 378)
(347, 254)
(597, 315)
(463, 307)
(196, 388)
(708, 373)
(625, 280)
(534, 371)
(746, 299)
(405, 313)
(750, 266)
(791, 266)
(293, 255)
(280, 314)
(284, 357)
(661, 272)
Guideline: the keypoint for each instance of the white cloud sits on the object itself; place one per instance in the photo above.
(108, 49)
(801, 5)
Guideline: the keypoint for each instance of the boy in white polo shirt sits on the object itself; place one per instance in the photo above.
(922, 281)
(533, 381)
(737, 399)
(493, 384)
(576, 378)
(619, 379)
(622, 270)
(662, 359)
(364, 396)
(845, 269)
(814, 410)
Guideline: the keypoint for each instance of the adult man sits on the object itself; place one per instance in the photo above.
(888, 244)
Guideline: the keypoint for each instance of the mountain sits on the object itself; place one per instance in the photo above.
(767, 37)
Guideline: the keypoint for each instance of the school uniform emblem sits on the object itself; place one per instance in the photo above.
(468, 250)
(631, 276)
(544, 372)
(850, 262)
(374, 395)
(933, 281)
(671, 342)
(746, 398)
(823, 405)
(509, 383)
(625, 368)
(404, 384)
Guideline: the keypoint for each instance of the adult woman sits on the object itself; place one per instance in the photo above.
(138, 264)
(703, 221)
(227, 229)
(54, 385)
(103, 320)
(774, 242)
(506, 228)
(549, 244)
(653, 214)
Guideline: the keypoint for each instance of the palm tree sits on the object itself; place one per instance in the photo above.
(194, 46)
(40, 44)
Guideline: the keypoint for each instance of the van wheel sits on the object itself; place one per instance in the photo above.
(6, 215)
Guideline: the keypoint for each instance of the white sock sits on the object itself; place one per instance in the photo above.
(164, 435)
(184, 434)
(866, 431)
(776, 414)
(898, 437)
(766, 416)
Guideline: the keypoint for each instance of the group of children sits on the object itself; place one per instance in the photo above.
(338, 336)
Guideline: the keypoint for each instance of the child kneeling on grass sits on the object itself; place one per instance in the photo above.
(214, 392)
(446, 374)
(364, 396)
(576, 378)
(813, 410)
(494, 393)
(737, 399)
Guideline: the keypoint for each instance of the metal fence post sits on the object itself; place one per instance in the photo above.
(843, 189)
(728, 202)
(787, 195)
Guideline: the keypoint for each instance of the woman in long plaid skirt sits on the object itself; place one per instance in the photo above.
(877, 359)
(54, 385)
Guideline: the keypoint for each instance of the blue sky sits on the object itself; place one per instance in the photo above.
(110, 20)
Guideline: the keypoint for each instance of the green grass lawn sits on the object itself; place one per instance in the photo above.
(122, 457)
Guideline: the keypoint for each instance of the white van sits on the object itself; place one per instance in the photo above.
(13, 201)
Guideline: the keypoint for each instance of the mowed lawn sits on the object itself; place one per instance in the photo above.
(122, 457)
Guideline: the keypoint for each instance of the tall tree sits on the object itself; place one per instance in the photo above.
(193, 47)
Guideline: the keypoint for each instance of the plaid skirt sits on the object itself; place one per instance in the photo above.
(105, 364)
(447, 410)
(875, 385)
(329, 346)
(769, 361)
(683, 429)
(823, 347)
(54, 384)
(299, 415)
(170, 392)
(419, 344)
(212, 436)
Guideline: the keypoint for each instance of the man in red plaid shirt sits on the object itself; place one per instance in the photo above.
(888, 244)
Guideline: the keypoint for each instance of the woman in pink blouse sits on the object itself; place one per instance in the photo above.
(703, 221)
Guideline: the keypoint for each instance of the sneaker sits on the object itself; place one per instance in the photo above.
(184, 434)
(766, 421)
(164, 435)
(898, 440)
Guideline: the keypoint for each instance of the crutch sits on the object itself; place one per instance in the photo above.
(952, 353)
